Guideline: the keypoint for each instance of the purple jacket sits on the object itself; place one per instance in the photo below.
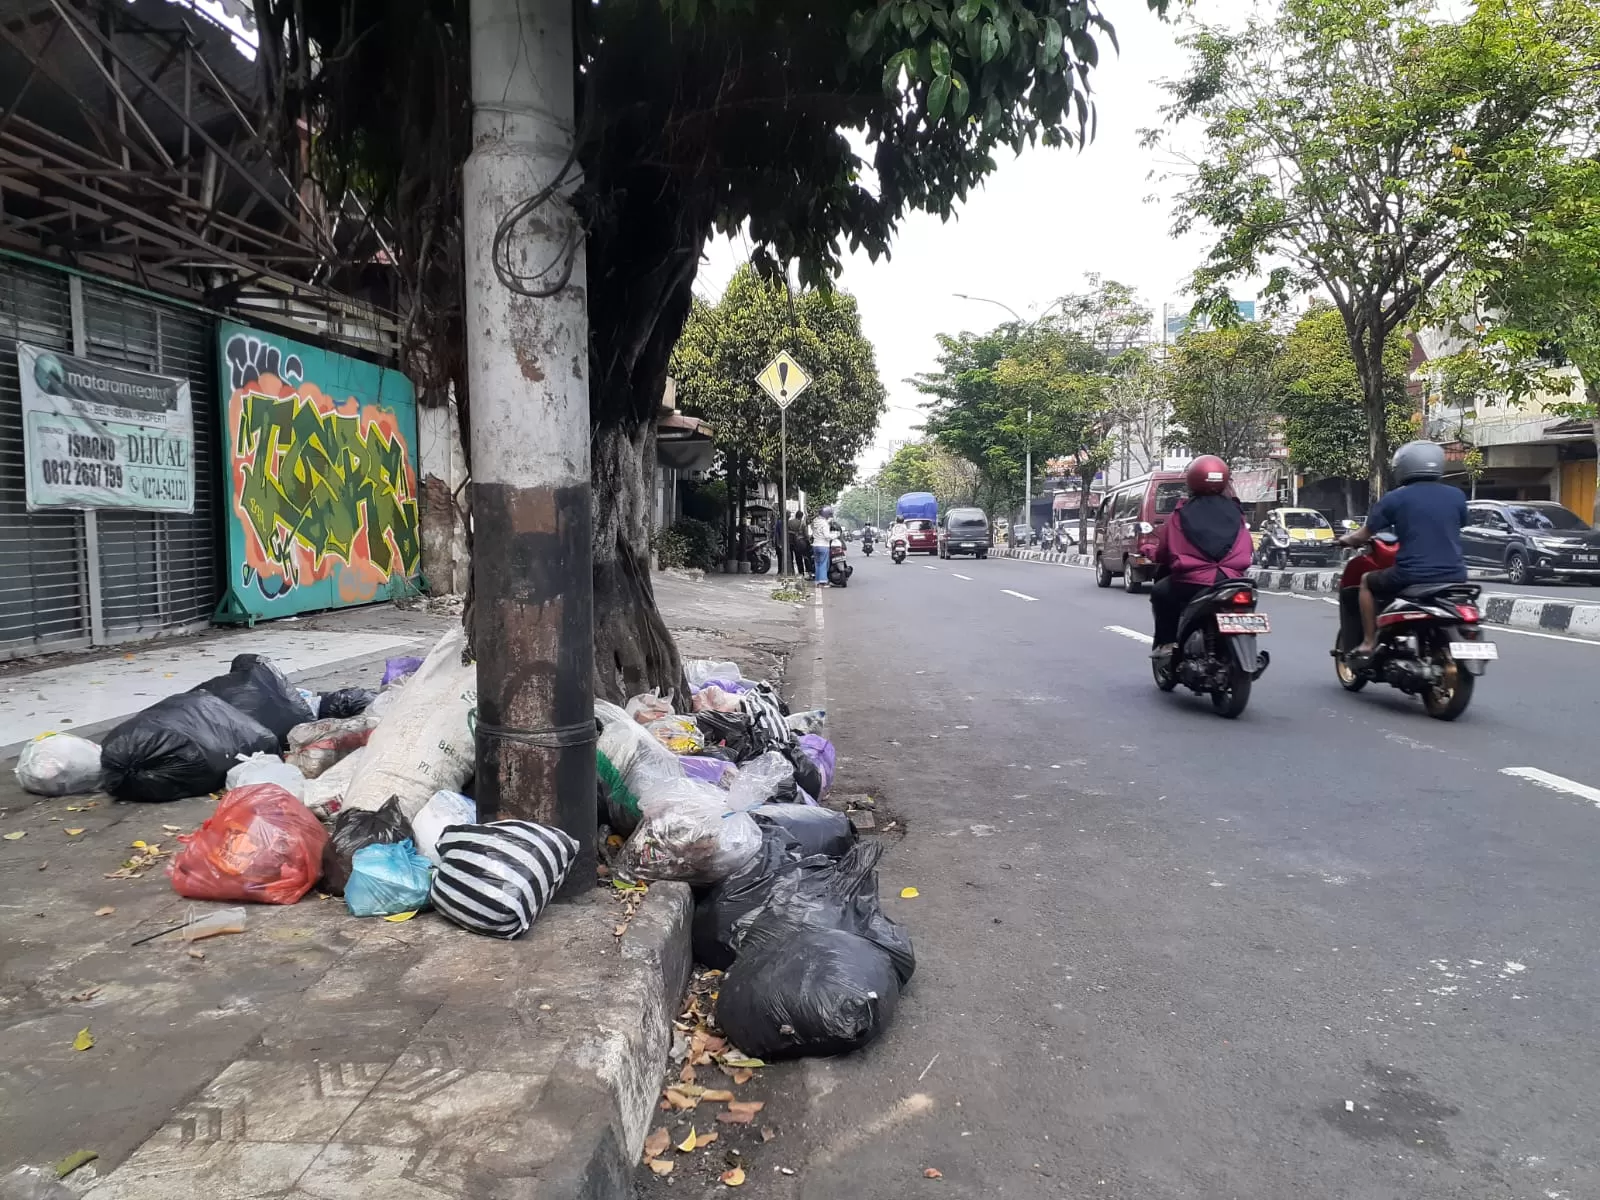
(1189, 564)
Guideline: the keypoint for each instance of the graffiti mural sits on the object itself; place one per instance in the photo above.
(322, 477)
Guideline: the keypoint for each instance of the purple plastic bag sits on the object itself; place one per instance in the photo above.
(820, 751)
(397, 669)
(711, 770)
(733, 687)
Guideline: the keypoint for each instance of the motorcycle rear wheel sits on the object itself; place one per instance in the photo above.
(1446, 703)
(1231, 702)
(1166, 677)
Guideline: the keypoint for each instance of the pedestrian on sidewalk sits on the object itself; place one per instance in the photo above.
(821, 534)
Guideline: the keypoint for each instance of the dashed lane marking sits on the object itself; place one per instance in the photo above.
(1556, 783)
(1130, 633)
(1020, 595)
(968, 578)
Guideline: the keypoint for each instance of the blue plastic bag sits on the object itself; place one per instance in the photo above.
(387, 878)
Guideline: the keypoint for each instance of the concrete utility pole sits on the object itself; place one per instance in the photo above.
(527, 362)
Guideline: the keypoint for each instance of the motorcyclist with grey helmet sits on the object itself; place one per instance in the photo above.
(1427, 516)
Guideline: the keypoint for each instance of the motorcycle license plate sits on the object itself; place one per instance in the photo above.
(1474, 650)
(1243, 623)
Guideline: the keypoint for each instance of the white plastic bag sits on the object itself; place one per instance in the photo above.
(691, 841)
(442, 810)
(423, 744)
(649, 706)
(324, 795)
(698, 671)
(768, 778)
(268, 768)
(59, 764)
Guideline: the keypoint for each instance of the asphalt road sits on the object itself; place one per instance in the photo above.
(1328, 950)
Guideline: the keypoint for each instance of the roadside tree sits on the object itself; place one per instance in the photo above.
(694, 116)
(1366, 148)
(1226, 387)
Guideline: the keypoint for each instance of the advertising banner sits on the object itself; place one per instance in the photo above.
(98, 436)
(322, 477)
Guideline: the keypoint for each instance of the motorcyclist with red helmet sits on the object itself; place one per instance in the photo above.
(1203, 543)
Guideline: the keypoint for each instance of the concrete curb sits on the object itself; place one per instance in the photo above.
(1536, 614)
(1044, 556)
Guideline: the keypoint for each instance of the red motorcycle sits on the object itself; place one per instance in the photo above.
(1430, 639)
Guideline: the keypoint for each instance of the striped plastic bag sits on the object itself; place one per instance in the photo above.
(497, 878)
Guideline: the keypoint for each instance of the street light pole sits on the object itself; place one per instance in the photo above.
(1027, 504)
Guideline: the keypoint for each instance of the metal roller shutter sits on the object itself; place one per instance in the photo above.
(44, 585)
(159, 571)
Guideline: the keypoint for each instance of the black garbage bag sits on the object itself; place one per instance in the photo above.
(807, 775)
(841, 895)
(818, 830)
(354, 828)
(819, 992)
(180, 747)
(719, 908)
(257, 688)
(734, 733)
(346, 702)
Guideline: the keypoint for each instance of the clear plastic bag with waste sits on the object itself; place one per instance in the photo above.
(767, 779)
(649, 706)
(59, 764)
(701, 671)
(629, 761)
(689, 840)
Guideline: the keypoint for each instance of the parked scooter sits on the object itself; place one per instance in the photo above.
(758, 553)
(1430, 640)
(1216, 653)
(839, 568)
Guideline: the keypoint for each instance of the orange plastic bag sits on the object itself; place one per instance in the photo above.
(261, 844)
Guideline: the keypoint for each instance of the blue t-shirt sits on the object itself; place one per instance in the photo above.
(1427, 518)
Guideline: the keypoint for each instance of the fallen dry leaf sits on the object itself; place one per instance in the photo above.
(707, 1138)
(84, 1040)
(687, 1074)
(734, 1178)
(742, 1076)
(689, 1143)
(716, 1097)
(619, 931)
(405, 916)
(105, 912)
(909, 893)
(662, 1166)
(739, 1060)
(933, 1173)
(741, 1112)
(656, 1144)
(768, 1133)
(17, 836)
(80, 997)
(679, 1100)
(72, 832)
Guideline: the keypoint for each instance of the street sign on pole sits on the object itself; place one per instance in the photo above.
(783, 379)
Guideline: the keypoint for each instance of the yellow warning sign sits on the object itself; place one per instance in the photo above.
(783, 379)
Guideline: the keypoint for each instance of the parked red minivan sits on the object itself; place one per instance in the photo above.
(1125, 529)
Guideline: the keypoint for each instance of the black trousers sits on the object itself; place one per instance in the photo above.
(1168, 599)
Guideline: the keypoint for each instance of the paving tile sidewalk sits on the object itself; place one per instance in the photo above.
(317, 1055)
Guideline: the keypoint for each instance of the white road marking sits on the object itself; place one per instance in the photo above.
(1131, 633)
(968, 578)
(1019, 595)
(929, 567)
(1555, 783)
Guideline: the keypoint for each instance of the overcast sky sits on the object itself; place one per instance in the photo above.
(1029, 235)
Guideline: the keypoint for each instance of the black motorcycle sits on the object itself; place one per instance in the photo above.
(866, 543)
(1216, 654)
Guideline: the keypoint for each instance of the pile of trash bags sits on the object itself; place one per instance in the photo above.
(724, 797)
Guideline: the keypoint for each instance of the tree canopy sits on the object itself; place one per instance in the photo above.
(726, 344)
(813, 126)
(1226, 388)
(1366, 148)
(1322, 404)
